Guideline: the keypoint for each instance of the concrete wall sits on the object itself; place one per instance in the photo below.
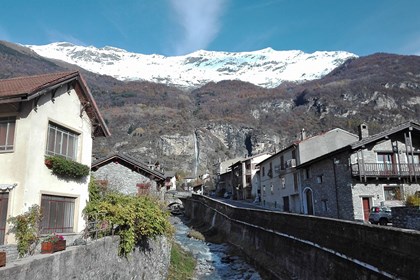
(97, 260)
(293, 246)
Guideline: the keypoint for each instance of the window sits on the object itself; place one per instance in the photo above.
(324, 205)
(58, 213)
(282, 163)
(319, 179)
(61, 142)
(7, 133)
(392, 193)
(295, 182)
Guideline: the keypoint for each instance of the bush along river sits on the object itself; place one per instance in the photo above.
(214, 261)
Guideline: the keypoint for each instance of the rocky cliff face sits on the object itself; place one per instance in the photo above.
(192, 130)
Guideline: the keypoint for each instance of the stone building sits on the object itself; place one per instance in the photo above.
(46, 115)
(381, 169)
(127, 175)
(279, 180)
(244, 181)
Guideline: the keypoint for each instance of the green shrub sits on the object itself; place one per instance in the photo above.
(182, 264)
(135, 217)
(413, 200)
(26, 228)
(65, 167)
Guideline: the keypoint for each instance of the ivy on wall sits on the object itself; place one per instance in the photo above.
(133, 217)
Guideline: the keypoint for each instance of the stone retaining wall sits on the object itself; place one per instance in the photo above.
(292, 246)
(406, 217)
(96, 260)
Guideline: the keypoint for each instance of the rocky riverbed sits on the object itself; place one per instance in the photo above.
(214, 261)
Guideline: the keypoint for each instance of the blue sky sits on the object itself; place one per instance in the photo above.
(175, 27)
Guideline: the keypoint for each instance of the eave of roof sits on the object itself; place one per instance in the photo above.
(130, 160)
(365, 141)
(23, 89)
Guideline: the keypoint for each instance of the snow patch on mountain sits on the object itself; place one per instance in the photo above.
(266, 68)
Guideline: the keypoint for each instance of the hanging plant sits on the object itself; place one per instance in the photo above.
(65, 167)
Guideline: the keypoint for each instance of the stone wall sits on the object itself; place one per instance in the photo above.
(406, 217)
(293, 246)
(122, 179)
(96, 260)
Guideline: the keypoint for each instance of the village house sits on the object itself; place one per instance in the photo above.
(381, 169)
(224, 176)
(128, 175)
(45, 115)
(244, 182)
(279, 179)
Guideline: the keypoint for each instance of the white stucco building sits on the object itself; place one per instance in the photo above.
(52, 114)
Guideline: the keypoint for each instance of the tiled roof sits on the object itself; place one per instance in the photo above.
(26, 88)
(386, 133)
(140, 167)
(32, 84)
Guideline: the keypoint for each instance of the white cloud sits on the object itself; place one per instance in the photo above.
(200, 20)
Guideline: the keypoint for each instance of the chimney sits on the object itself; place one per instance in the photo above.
(363, 131)
(302, 134)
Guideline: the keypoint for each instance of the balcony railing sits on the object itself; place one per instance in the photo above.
(385, 170)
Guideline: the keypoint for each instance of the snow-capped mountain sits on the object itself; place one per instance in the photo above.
(266, 68)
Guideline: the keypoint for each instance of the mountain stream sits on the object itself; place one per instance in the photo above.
(214, 261)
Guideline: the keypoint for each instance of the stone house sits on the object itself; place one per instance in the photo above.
(381, 169)
(51, 114)
(279, 178)
(224, 176)
(128, 175)
(243, 180)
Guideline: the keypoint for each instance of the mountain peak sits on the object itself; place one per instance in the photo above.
(267, 67)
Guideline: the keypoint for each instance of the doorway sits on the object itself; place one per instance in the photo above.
(309, 202)
(4, 197)
(366, 208)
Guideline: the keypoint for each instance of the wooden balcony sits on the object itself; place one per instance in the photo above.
(385, 170)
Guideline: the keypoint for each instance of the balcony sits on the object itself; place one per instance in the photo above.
(385, 170)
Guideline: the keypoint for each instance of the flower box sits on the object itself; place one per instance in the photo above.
(51, 247)
(2, 259)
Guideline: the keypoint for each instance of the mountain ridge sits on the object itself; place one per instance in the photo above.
(227, 119)
(267, 67)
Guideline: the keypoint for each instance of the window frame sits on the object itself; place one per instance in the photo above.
(59, 224)
(59, 131)
(8, 120)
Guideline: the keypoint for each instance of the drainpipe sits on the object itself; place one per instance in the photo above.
(336, 189)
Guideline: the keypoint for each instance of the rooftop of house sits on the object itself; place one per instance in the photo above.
(130, 162)
(26, 88)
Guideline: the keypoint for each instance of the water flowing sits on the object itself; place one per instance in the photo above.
(196, 154)
(214, 261)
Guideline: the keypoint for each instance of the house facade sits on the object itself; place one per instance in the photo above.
(52, 114)
(224, 176)
(244, 182)
(381, 169)
(128, 175)
(279, 179)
